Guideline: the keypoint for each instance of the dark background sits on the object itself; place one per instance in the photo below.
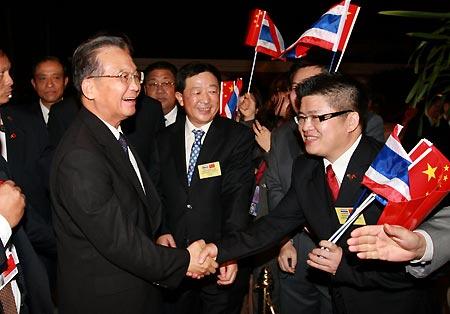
(200, 29)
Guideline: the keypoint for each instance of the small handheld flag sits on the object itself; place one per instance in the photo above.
(229, 97)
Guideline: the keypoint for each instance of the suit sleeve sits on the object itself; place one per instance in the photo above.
(272, 174)
(266, 231)
(438, 227)
(237, 184)
(90, 199)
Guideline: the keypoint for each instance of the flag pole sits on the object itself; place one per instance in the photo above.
(256, 53)
(347, 39)
(251, 73)
(339, 33)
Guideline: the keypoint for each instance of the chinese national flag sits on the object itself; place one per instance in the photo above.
(429, 179)
(254, 27)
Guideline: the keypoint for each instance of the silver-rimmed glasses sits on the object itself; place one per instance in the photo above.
(125, 77)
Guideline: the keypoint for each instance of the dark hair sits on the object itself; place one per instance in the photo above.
(161, 65)
(48, 58)
(316, 56)
(342, 92)
(84, 60)
(192, 69)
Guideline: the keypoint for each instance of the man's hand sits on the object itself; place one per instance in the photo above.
(210, 250)
(326, 258)
(287, 259)
(12, 202)
(228, 272)
(199, 267)
(166, 240)
(386, 242)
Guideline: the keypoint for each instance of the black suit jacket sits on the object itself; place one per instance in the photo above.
(32, 277)
(212, 207)
(141, 130)
(104, 224)
(358, 286)
(26, 141)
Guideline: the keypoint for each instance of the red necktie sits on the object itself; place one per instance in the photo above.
(332, 182)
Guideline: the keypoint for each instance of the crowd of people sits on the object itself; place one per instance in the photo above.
(135, 196)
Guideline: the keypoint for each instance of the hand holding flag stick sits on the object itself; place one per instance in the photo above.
(413, 184)
(387, 176)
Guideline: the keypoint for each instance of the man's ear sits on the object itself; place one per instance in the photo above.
(88, 89)
(33, 83)
(352, 121)
(179, 97)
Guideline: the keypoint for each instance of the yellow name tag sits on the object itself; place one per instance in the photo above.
(343, 213)
(209, 170)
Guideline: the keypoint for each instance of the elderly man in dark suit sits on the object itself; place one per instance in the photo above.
(331, 110)
(208, 196)
(106, 209)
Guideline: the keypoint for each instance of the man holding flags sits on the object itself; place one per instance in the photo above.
(331, 107)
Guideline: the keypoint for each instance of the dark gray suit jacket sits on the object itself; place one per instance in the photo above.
(438, 227)
(105, 224)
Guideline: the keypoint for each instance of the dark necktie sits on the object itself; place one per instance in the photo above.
(195, 151)
(7, 300)
(332, 182)
(123, 143)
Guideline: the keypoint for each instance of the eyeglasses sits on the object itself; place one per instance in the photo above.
(163, 85)
(317, 119)
(125, 77)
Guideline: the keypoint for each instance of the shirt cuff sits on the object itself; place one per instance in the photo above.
(428, 255)
(5, 230)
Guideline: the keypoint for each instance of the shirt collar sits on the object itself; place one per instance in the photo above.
(114, 131)
(340, 164)
(171, 116)
(190, 127)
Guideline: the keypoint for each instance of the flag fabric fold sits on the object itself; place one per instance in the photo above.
(387, 176)
(429, 179)
(264, 35)
(229, 97)
(331, 32)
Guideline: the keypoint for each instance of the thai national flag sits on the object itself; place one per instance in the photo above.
(331, 32)
(264, 35)
(229, 97)
(387, 176)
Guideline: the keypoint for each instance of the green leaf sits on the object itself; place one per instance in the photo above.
(417, 14)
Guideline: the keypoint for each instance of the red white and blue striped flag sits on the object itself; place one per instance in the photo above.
(331, 32)
(387, 176)
(264, 35)
(229, 97)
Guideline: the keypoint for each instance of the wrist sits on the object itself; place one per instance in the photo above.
(421, 246)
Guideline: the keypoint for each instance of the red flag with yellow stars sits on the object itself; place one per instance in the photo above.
(429, 179)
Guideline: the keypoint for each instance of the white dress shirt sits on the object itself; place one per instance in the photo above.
(189, 137)
(171, 116)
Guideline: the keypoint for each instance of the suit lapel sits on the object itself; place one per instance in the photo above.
(15, 141)
(351, 187)
(213, 142)
(179, 144)
(114, 151)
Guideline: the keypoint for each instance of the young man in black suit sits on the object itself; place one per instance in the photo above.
(208, 197)
(331, 107)
(106, 209)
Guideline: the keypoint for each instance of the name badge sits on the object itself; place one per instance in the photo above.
(343, 213)
(209, 170)
(11, 269)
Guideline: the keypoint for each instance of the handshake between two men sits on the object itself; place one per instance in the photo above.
(203, 260)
